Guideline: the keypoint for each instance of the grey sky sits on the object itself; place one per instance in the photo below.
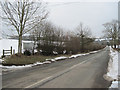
(69, 13)
(93, 14)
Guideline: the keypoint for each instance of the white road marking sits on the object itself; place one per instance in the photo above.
(77, 64)
(48, 78)
(39, 82)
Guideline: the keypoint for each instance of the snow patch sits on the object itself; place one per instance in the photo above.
(57, 58)
(46, 62)
(78, 55)
(35, 51)
(37, 63)
(7, 43)
(114, 84)
(113, 65)
(54, 52)
(75, 56)
(112, 74)
(15, 67)
(60, 58)
(19, 67)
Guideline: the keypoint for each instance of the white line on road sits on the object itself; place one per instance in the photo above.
(77, 64)
(39, 82)
(48, 78)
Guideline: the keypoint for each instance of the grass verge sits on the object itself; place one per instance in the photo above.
(25, 60)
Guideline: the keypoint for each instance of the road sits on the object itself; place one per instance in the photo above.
(82, 72)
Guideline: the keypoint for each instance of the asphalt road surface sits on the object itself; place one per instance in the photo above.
(82, 72)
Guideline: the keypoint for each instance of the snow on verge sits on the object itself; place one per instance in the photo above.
(48, 61)
(57, 58)
(114, 84)
(23, 66)
(31, 65)
(60, 58)
(78, 55)
(113, 65)
(112, 74)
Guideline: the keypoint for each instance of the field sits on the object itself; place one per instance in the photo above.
(7, 43)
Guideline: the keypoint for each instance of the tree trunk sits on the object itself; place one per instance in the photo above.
(119, 43)
(114, 43)
(34, 39)
(20, 44)
(82, 44)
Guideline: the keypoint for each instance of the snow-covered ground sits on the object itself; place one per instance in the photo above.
(7, 43)
(78, 55)
(60, 58)
(113, 64)
(112, 74)
(57, 58)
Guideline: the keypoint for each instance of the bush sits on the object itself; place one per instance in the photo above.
(46, 49)
(93, 47)
(27, 53)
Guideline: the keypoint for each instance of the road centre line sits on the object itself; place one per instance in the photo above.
(53, 77)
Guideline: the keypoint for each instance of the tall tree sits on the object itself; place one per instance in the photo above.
(111, 31)
(46, 38)
(23, 16)
(83, 32)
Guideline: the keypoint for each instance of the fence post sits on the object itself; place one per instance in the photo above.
(3, 52)
(11, 50)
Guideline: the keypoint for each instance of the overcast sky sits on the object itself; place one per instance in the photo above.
(94, 14)
(69, 13)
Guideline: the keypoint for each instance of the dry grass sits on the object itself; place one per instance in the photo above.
(25, 60)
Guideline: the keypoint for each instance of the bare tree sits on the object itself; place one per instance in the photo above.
(111, 31)
(83, 32)
(59, 33)
(36, 34)
(23, 16)
(46, 38)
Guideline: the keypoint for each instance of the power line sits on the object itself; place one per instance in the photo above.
(64, 4)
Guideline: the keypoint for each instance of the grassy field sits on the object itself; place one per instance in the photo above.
(25, 60)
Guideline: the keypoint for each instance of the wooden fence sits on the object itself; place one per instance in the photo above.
(5, 52)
